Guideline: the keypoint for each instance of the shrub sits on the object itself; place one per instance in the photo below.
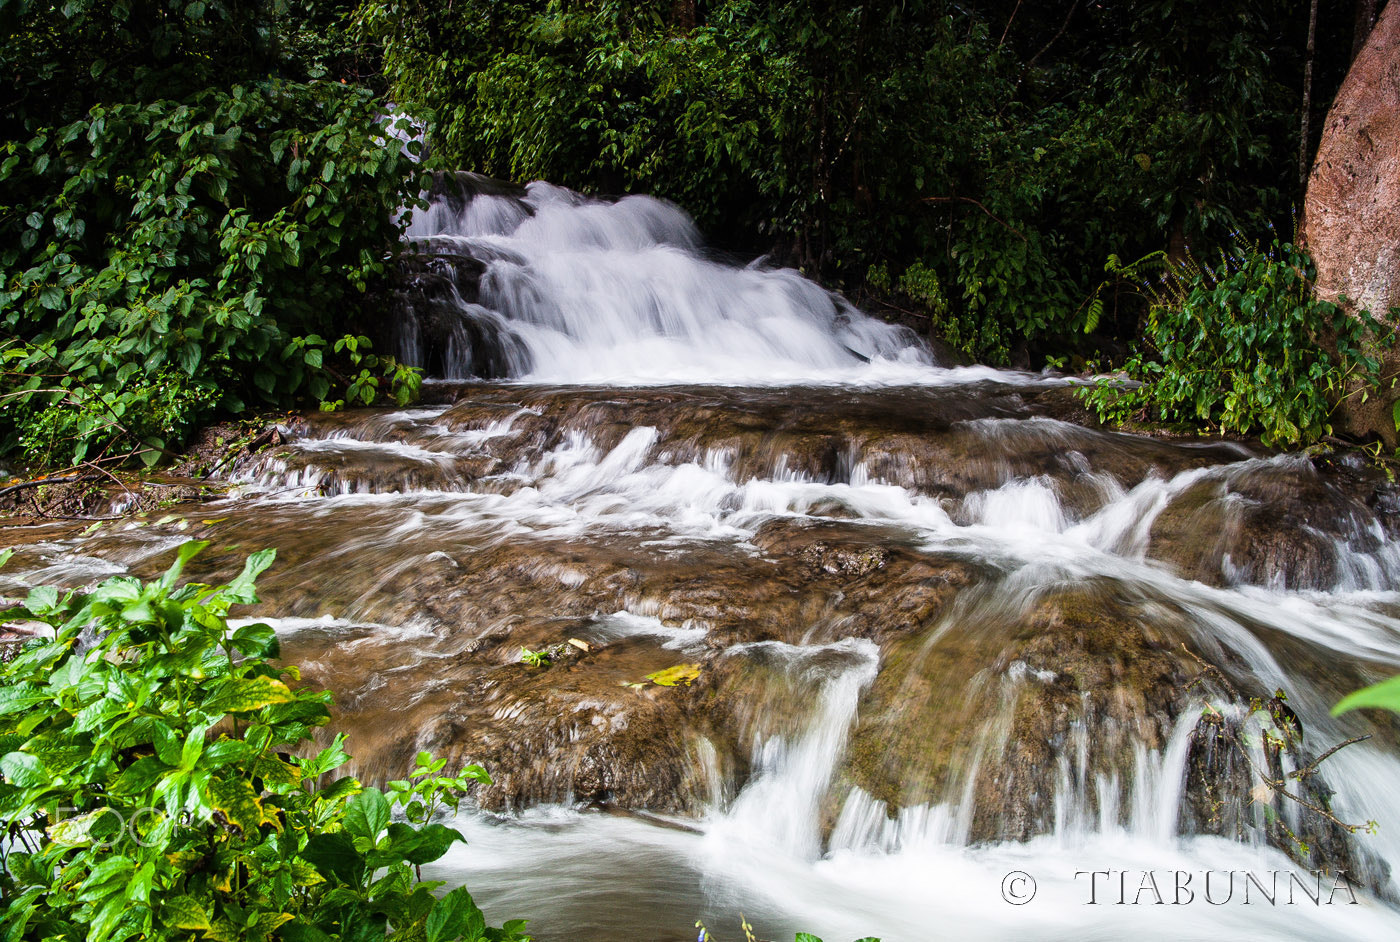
(156, 783)
(188, 220)
(1243, 346)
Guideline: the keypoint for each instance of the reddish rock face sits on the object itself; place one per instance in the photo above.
(1351, 216)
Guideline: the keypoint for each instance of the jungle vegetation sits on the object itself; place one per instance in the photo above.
(197, 199)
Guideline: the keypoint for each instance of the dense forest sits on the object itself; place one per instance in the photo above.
(198, 199)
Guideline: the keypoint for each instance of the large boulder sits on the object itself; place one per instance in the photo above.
(1351, 216)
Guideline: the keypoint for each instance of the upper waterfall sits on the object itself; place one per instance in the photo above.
(540, 283)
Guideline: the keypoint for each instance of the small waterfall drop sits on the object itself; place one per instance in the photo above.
(551, 286)
(936, 632)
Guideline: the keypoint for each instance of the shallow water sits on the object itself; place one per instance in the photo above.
(943, 632)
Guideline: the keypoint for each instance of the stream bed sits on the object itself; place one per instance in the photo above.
(952, 650)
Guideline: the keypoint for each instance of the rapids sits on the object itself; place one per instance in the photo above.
(944, 630)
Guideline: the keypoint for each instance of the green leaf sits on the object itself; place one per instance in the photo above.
(257, 641)
(24, 770)
(240, 590)
(14, 699)
(42, 600)
(139, 889)
(1382, 696)
(367, 814)
(184, 912)
(454, 916)
(423, 845)
(140, 776)
(334, 855)
(183, 555)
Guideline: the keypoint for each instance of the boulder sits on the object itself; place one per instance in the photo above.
(1351, 215)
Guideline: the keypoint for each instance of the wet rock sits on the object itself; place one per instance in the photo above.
(1014, 708)
(1351, 215)
(1279, 523)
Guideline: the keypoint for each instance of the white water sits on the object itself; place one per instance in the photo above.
(763, 852)
(622, 293)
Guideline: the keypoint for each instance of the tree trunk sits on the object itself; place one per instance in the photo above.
(1307, 100)
(683, 15)
(1365, 21)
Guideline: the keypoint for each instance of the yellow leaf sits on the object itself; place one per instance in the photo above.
(184, 912)
(274, 771)
(253, 693)
(238, 802)
(673, 676)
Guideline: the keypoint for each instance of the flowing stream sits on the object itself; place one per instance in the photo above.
(943, 632)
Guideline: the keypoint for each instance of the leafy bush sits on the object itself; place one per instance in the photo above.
(154, 768)
(184, 217)
(1243, 346)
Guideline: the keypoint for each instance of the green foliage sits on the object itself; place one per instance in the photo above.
(182, 222)
(403, 381)
(747, 929)
(1382, 696)
(154, 770)
(952, 139)
(1243, 347)
(534, 658)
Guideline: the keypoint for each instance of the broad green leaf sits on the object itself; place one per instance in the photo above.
(454, 916)
(334, 855)
(24, 770)
(257, 641)
(19, 697)
(367, 815)
(42, 600)
(184, 912)
(1382, 696)
(140, 776)
(274, 772)
(139, 889)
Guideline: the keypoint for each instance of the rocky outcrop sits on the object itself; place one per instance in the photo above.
(1351, 216)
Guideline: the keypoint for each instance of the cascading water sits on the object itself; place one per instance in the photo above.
(562, 288)
(942, 634)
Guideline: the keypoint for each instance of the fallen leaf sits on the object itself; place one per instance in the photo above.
(674, 676)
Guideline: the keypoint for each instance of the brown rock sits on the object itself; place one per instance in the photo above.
(1351, 216)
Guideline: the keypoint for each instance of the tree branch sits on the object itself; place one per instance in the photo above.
(992, 215)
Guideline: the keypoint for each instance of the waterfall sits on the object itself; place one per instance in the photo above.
(937, 633)
(563, 288)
